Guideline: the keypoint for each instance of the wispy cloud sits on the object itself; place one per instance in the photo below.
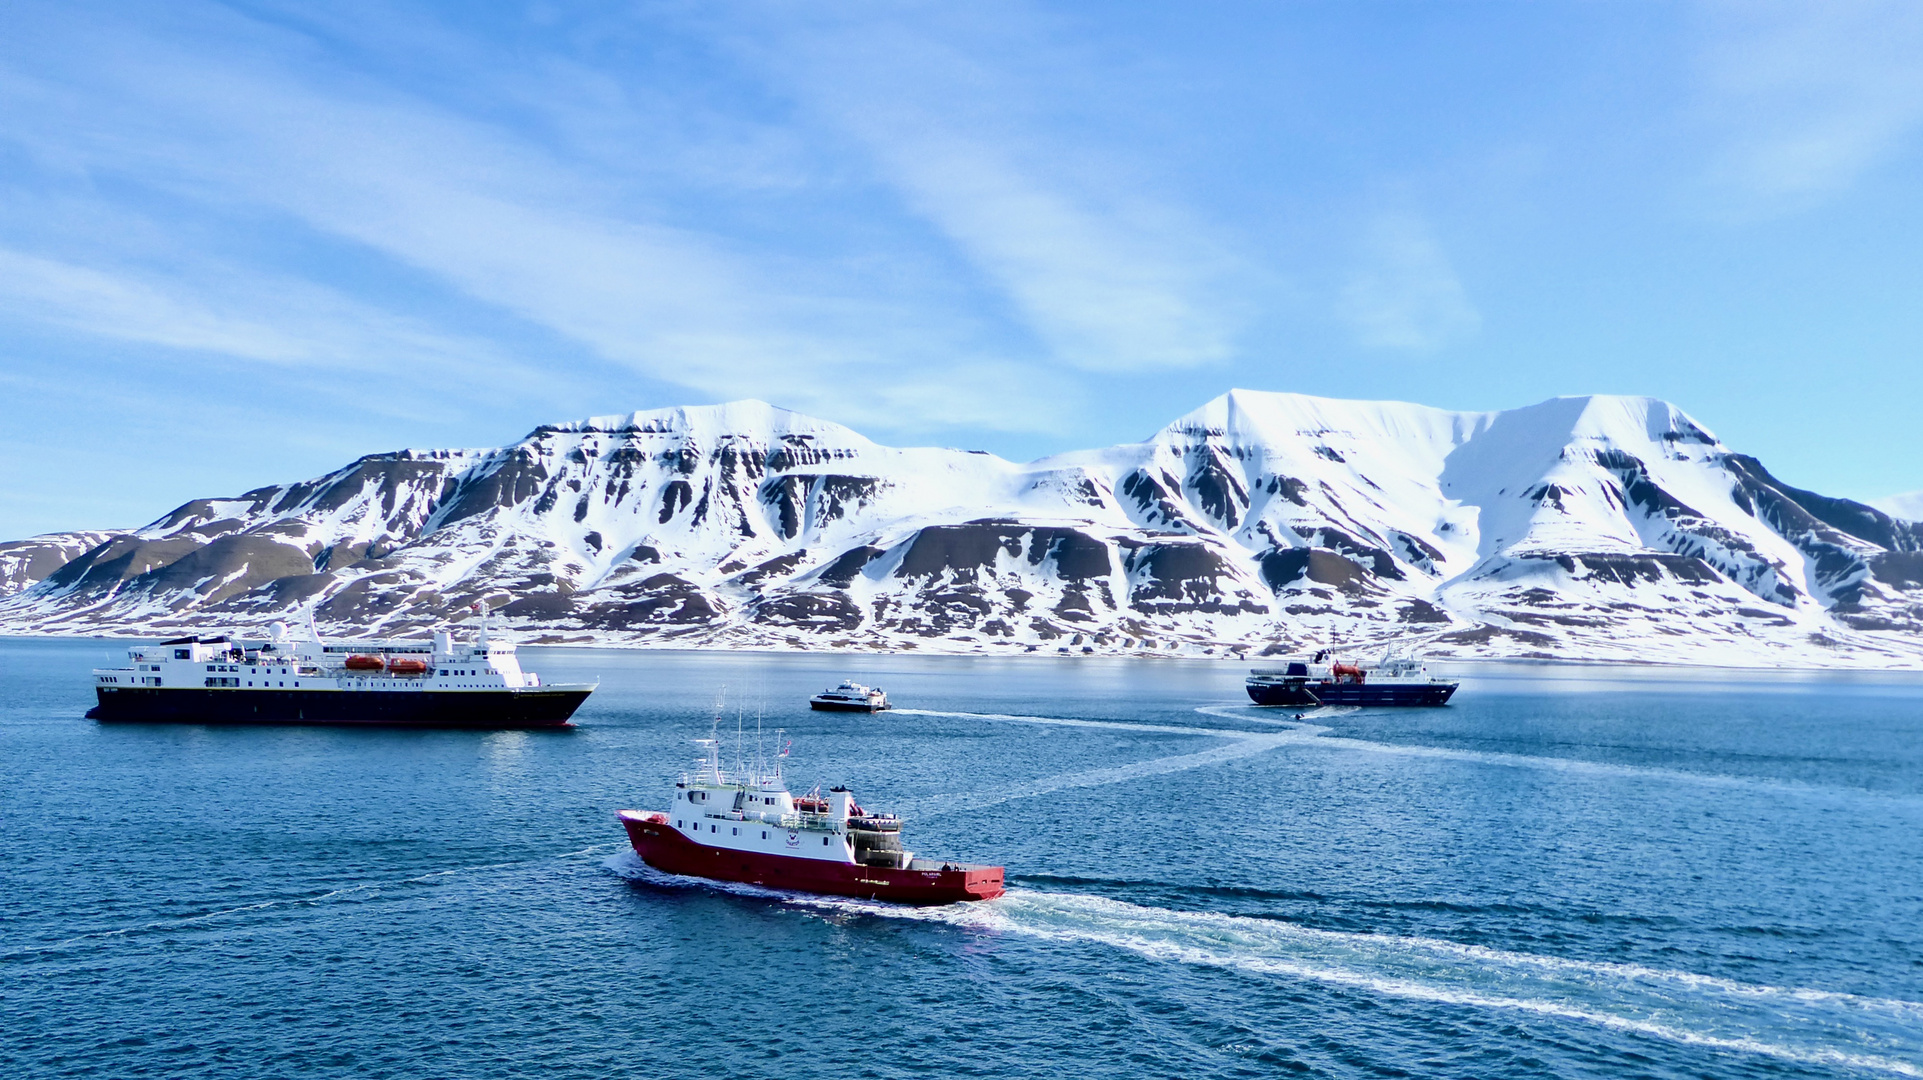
(500, 217)
(1108, 276)
(1807, 97)
(79, 298)
(1404, 294)
(1908, 505)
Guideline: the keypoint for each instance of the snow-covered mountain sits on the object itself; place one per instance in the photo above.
(1593, 527)
(23, 562)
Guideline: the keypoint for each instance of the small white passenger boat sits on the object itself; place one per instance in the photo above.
(850, 697)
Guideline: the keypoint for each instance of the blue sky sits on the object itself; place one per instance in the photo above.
(245, 243)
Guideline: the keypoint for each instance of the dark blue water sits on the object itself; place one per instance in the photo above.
(1569, 872)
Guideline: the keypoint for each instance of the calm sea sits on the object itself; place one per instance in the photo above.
(1569, 872)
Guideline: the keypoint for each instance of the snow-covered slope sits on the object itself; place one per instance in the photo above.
(1583, 527)
(23, 562)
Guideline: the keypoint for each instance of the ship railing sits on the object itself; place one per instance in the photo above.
(817, 822)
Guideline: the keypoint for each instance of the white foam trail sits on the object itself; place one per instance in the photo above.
(1241, 744)
(1306, 732)
(1803, 1025)
(1063, 721)
(1651, 1002)
(1324, 739)
(1241, 747)
(297, 901)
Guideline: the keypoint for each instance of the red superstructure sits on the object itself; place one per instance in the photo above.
(745, 826)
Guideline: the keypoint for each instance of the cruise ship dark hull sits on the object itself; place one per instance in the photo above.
(480, 709)
(1375, 695)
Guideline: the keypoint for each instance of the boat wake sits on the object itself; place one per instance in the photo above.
(1239, 744)
(1324, 737)
(1807, 1026)
(1065, 721)
(1302, 730)
(1792, 1024)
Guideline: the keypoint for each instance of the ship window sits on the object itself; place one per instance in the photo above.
(677, 823)
(824, 841)
(764, 834)
(213, 667)
(183, 654)
(734, 832)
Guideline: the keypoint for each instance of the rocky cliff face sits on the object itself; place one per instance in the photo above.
(1582, 527)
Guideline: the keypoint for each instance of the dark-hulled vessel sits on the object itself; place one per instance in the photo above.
(744, 825)
(438, 683)
(1394, 681)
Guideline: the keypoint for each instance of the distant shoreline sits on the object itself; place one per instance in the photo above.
(1439, 663)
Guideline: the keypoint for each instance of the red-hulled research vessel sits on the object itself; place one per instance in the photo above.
(745, 826)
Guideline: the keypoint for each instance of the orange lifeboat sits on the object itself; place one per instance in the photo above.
(365, 663)
(407, 666)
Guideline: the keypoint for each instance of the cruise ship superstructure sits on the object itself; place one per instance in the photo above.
(442, 682)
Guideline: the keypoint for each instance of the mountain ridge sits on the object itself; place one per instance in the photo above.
(1604, 526)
